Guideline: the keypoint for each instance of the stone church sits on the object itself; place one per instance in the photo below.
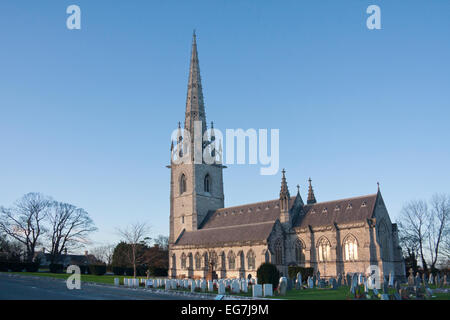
(334, 237)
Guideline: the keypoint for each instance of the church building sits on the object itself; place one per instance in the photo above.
(334, 237)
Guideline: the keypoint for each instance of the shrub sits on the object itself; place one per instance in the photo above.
(31, 266)
(16, 266)
(4, 266)
(118, 271)
(56, 268)
(306, 272)
(268, 273)
(97, 269)
(158, 272)
(84, 269)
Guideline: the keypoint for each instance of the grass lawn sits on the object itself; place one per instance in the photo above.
(342, 293)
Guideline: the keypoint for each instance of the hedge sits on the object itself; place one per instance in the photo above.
(268, 273)
(97, 269)
(56, 268)
(306, 272)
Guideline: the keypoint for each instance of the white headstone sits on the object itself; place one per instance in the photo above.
(268, 290)
(282, 286)
(244, 286)
(221, 288)
(257, 291)
(210, 286)
(116, 281)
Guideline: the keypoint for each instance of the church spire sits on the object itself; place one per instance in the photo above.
(195, 108)
(311, 197)
(284, 200)
(284, 192)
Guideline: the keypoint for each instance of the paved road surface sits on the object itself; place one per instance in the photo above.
(14, 287)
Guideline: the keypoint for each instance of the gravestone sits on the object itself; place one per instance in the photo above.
(321, 283)
(235, 286)
(445, 280)
(375, 292)
(418, 280)
(244, 286)
(437, 279)
(366, 287)
(339, 280)
(193, 285)
(391, 280)
(116, 281)
(334, 284)
(299, 281)
(348, 280)
(210, 286)
(290, 284)
(397, 296)
(148, 283)
(282, 286)
(268, 290)
(221, 288)
(353, 283)
(314, 278)
(431, 279)
(410, 278)
(360, 279)
(310, 282)
(385, 296)
(257, 291)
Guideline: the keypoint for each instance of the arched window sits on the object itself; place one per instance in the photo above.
(324, 248)
(174, 261)
(251, 260)
(183, 261)
(299, 252)
(279, 252)
(223, 261)
(182, 184)
(207, 184)
(205, 260)
(231, 261)
(198, 261)
(191, 262)
(350, 248)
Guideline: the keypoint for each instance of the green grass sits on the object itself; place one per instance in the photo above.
(342, 293)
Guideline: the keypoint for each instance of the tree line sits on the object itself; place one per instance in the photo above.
(36, 219)
(424, 232)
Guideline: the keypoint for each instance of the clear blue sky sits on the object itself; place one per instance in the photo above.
(86, 115)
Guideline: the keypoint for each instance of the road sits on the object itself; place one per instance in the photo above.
(14, 287)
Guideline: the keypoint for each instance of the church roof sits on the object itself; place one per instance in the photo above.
(338, 211)
(249, 222)
(254, 222)
(239, 233)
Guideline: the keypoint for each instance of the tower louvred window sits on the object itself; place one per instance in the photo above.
(182, 184)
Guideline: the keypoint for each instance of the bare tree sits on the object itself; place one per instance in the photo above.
(104, 253)
(135, 236)
(24, 221)
(162, 242)
(70, 228)
(413, 225)
(438, 226)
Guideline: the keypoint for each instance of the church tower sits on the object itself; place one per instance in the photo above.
(196, 185)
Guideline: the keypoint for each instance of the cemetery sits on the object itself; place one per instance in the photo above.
(346, 287)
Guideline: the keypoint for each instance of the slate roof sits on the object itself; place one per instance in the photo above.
(339, 211)
(250, 222)
(254, 222)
